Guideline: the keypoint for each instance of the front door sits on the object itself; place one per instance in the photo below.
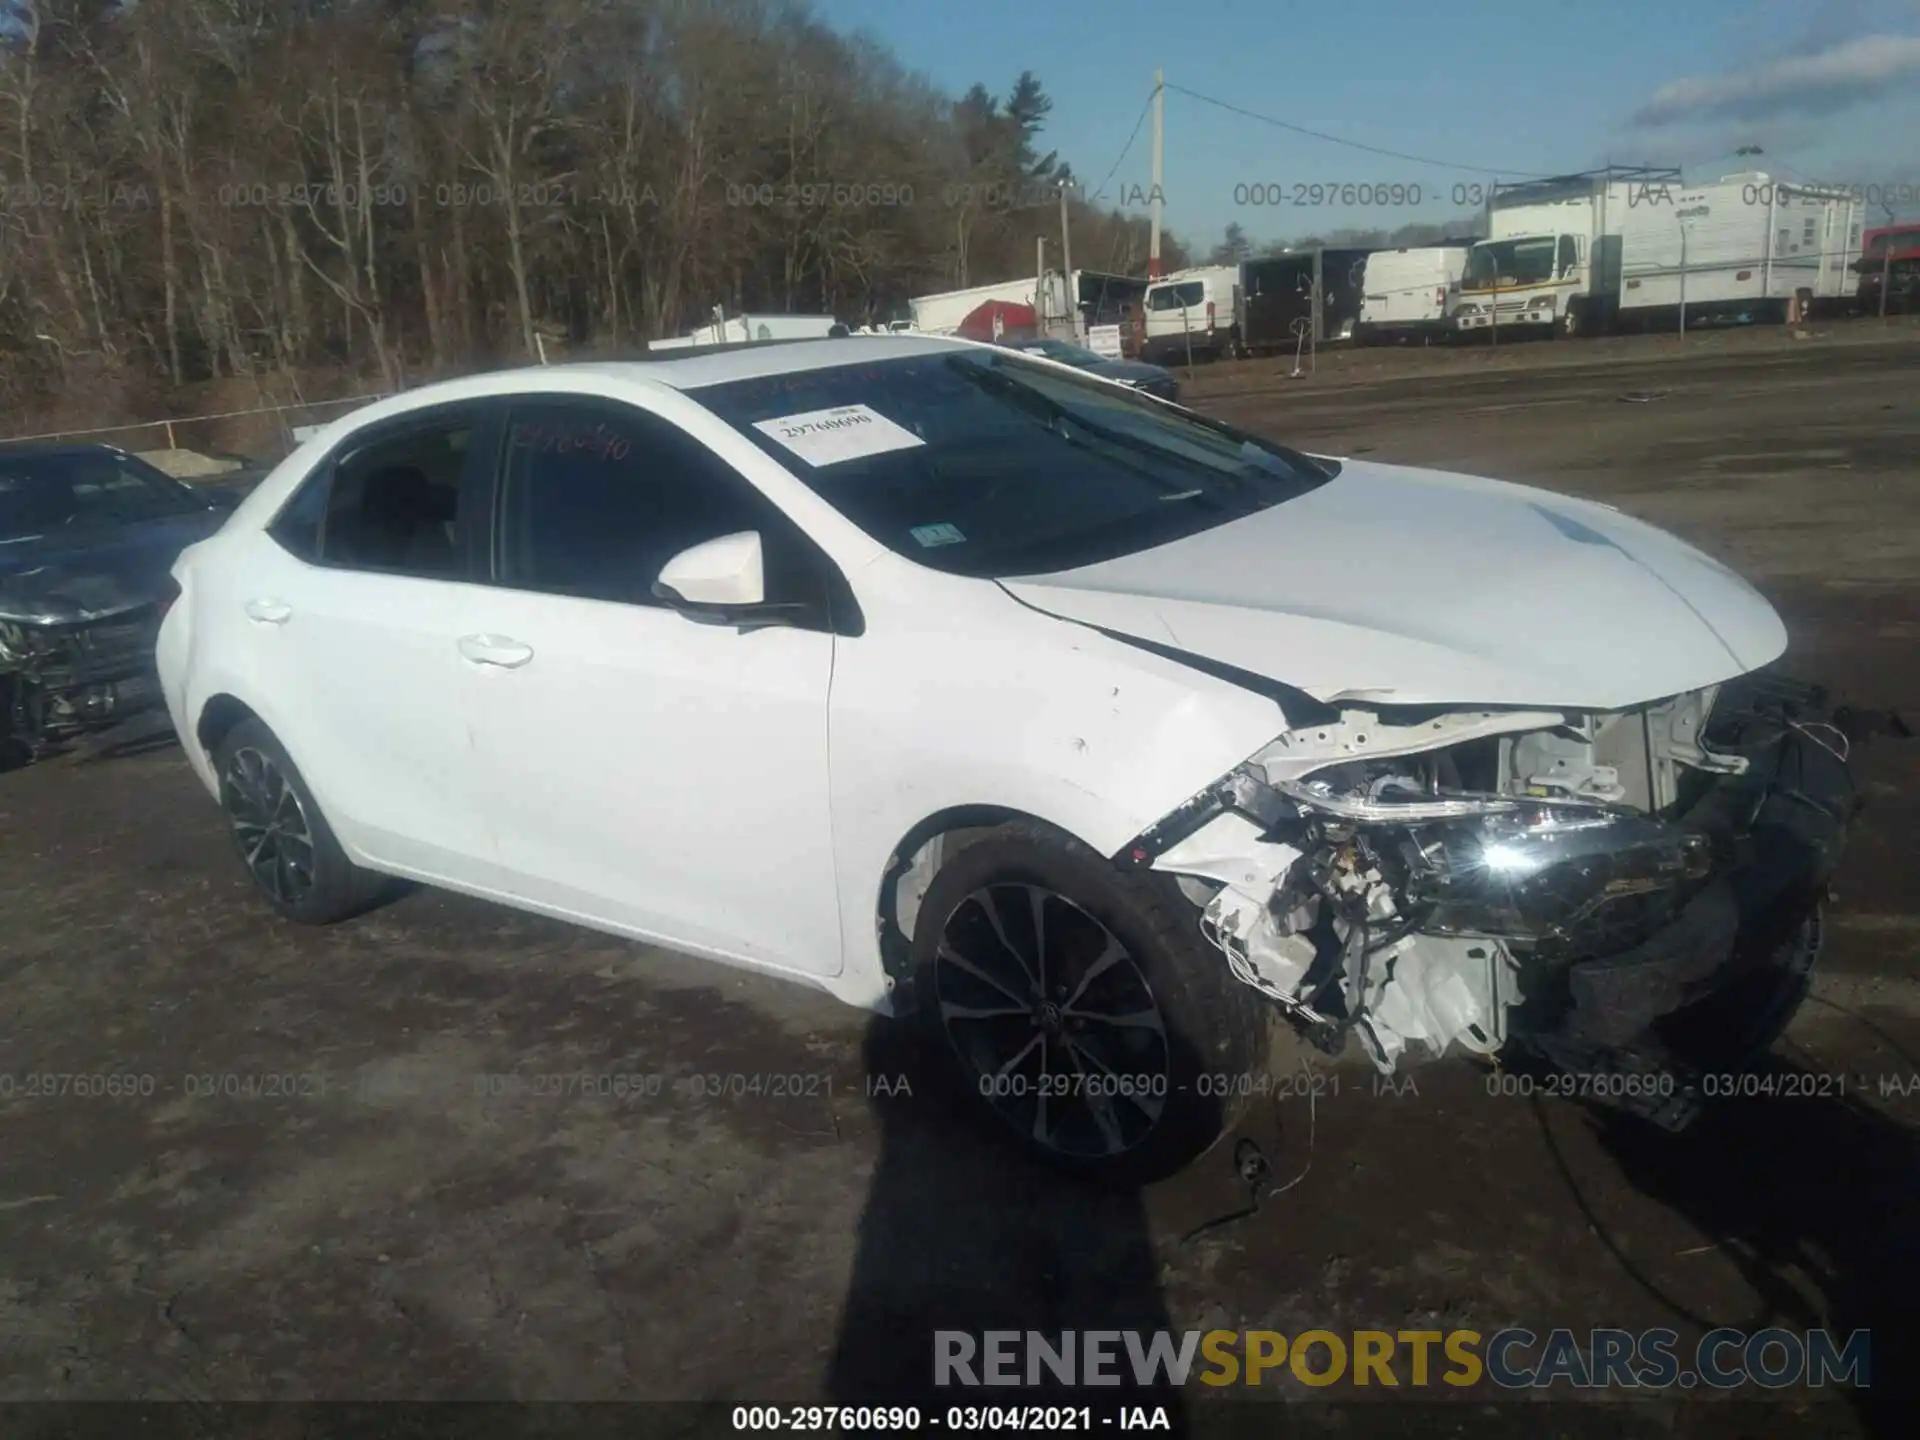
(645, 770)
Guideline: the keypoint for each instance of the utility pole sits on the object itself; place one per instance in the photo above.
(1493, 299)
(1066, 268)
(1683, 279)
(1886, 265)
(1040, 280)
(1154, 268)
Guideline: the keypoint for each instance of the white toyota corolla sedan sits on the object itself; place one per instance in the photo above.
(1086, 731)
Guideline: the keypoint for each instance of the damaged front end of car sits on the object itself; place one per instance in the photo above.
(1631, 897)
(63, 679)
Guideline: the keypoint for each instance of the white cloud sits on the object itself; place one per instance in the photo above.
(1816, 83)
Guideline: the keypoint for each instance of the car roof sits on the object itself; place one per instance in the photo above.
(682, 373)
(752, 361)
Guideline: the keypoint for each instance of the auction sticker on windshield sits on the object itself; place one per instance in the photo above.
(846, 432)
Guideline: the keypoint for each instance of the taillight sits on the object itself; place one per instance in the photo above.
(1439, 294)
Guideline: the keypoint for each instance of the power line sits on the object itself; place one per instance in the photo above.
(1352, 144)
(1125, 151)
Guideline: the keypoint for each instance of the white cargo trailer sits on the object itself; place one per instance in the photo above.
(1583, 254)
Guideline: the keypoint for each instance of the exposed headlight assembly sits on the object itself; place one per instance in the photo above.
(1537, 877)
(1511, 867)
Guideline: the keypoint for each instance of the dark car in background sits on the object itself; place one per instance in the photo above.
(88, 536)
(1148, 379)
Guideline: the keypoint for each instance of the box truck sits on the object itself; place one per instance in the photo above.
(1638, 248)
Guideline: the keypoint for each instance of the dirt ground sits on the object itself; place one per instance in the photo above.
(340, 1174)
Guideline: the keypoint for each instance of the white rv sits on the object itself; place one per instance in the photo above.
(1744, 243)
(1583, 254)
(1405, 294)
(743, 329)
(942, 314)
(1192, 310)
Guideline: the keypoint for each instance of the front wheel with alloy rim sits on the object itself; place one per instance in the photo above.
(284, 841)
(1079, 1009)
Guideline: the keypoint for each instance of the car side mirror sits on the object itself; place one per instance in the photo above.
(716, 578)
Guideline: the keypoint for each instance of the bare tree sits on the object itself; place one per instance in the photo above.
(301, 189)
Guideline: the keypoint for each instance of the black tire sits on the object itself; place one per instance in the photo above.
(1572, 324)
(1129, 1099)
(273, 818)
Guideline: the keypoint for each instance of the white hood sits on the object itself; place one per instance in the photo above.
(1403, 586)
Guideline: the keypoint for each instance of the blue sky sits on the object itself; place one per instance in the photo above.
(1828, 88)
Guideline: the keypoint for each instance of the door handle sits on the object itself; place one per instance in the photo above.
(501, 650)
(269, 612)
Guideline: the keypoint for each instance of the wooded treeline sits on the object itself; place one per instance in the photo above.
(192, 189)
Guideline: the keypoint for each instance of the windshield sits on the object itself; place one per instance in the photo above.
(1060, 350)
(1527, 261)
(76, 489)
(981, 463)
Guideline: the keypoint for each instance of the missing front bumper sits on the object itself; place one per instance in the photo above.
(1633, 948)
(1718, 986)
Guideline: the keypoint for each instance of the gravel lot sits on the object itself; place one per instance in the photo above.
(345, 1177)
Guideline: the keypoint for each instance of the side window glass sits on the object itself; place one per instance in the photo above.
(1569, 255)
(598, 498)
(394, 504)
(297, 526)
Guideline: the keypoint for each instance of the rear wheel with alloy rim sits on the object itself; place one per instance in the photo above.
(1078, 1006)
(284, 841)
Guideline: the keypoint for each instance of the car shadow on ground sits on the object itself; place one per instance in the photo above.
(961, 1232)
(1811, 1194)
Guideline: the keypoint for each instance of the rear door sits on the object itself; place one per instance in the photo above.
(351, 604)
